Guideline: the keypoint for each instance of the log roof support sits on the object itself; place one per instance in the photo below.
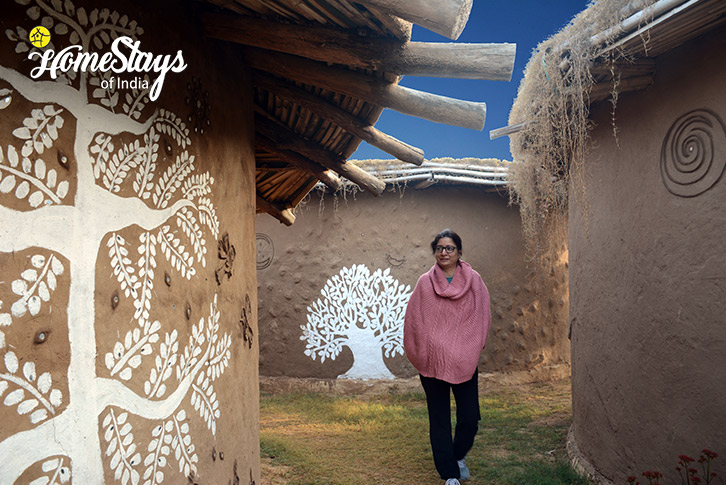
(342, 118)
(493, 62)
(445, 17)
(282, 214)
(325, 176)
(286, 139)
(440, 109)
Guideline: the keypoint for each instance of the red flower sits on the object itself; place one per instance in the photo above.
(709, 454)
(631, 479)
(686, 458)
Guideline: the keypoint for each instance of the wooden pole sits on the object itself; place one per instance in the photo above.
(493, 62)
(445, 17)
(342, 118)
(284, 215)
(286, 139)
(309, 166)
(440, 109)
(507, 130)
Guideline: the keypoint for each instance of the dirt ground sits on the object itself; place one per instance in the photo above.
(525, 382)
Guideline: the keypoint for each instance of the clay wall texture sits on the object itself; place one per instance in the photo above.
(122, 359)
(647, 273)
(393, 232)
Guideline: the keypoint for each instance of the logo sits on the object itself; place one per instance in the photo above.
(126, 56)
(39, 37)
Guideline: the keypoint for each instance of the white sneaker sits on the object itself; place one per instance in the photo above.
(463, 470)
(452, 481)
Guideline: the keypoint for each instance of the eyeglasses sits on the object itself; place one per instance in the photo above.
(448, 249)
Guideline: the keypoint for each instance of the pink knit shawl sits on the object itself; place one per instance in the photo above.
(447, 324)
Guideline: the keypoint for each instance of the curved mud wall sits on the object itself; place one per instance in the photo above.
(647, 285)
(122, 359)
(391, 234)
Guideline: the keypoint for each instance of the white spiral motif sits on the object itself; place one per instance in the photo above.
(694, 153)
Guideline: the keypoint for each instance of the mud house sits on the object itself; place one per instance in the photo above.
(137, 142)
(646, 189)
(371, 243)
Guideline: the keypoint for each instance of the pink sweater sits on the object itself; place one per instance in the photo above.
(447, 324)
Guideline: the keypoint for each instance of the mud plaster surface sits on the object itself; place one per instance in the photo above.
(647, 293)
(529, 314)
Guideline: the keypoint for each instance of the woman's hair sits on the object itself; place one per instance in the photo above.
(446, 233)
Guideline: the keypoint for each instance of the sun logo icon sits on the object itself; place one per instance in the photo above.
(39, 36)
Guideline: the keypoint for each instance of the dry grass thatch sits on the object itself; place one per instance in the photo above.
(553, 102)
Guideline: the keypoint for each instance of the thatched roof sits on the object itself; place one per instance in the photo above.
(606, 50)
(618, 40)
(484, 172)
(323, 70)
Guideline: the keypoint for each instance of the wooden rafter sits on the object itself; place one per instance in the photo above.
(341, 117)
(493, 62)
(445, 17)
(286, 139)
(441, 109)
(294, 158)
(282, 214)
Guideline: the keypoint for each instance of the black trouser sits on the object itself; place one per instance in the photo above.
(447, 451)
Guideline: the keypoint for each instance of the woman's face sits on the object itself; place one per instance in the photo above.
(445, 259)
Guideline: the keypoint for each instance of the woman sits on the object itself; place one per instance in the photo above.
(445, 330)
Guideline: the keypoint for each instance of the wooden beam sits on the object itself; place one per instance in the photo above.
(507, 130)
(284, 215)
(493, 62)
(286, 139)
(440, 109)
(445, 17)
(602, 91)
(293, 158)
(340, 117)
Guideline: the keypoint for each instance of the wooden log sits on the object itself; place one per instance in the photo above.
(284, 215)
(507, 130)
(285, 139)
(293, 158)
(493, 62)
(340, 117)
(440, 109)
(445, 17)
(604, 90)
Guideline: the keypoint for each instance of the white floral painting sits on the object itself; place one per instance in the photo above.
(64, 209)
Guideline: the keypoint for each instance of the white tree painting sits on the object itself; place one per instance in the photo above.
(361, 311)
(123, 186)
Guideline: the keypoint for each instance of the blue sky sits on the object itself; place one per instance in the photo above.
(523, 22)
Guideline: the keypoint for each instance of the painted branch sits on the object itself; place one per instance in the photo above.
(71, 99)
(325, 176)
(440, 109)
(507, 130)
(445, 17)
(33, 445)
(286, 139)
(340, 117)
(285, 216)
(493, 62)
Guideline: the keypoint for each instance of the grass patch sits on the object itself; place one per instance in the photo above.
(318, 438)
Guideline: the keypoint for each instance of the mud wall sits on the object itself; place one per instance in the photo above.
(390, 236)
(647, 290)
(122, 357)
